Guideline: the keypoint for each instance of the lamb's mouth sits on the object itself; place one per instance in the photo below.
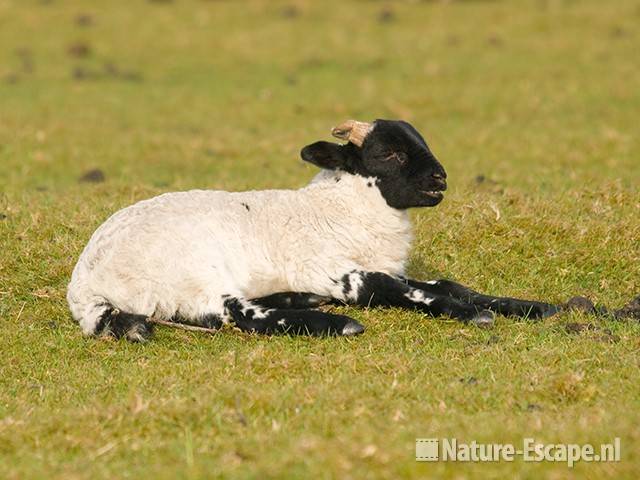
(435, 194)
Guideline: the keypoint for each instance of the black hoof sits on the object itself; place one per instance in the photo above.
(140, 332)
(352, 328)
(549, 311)
(117, 324)
(484, 319)
(315, 301)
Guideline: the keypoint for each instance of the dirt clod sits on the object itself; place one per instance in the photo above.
(92, 176)
(84, 20)
(630, 310)
(11, 78)
(594, 332)
(79, 50)
(386, 15)
(575, 327)
(581, 304)
(469, 380)
(495, 41)
(26, 59)
(290, 11)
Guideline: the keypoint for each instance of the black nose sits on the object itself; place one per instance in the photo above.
(440, 179)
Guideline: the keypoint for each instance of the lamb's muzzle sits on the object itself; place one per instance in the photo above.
(352, 131)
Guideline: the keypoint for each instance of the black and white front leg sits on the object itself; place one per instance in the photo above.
(379, 289)
(511, 307)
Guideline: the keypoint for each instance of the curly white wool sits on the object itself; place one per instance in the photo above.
(182, 253)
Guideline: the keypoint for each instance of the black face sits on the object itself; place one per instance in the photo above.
(408, 175)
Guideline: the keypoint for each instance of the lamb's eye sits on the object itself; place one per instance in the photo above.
(399, 157)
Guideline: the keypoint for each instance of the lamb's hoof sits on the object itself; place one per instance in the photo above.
(484, 319)
(315, 301)
(352, 328)
(140, 332)
(550, 311)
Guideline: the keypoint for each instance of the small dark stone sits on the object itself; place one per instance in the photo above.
(495, 41)
(131, 76)
(469, 380)
(453, 40)
(11, 78)
(607, 337)
(112, 70)
(575, 327)
(290, 11)
(26, 58)
(84, 20)
(92, 176)
(483, 181)
(81, 73)
(23, 52)
(618, 31)
(79, 50)
(386, 15)
(291, 80)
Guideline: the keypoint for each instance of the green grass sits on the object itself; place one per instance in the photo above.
(540, 97)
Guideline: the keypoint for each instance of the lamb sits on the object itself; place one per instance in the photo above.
(262, 261)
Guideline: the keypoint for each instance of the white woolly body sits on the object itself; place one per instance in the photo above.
(182, 253)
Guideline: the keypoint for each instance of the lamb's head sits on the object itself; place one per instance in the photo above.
(393, 152)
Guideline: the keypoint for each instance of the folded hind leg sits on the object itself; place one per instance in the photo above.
(252, 317)
(207, 320)
(292, 300)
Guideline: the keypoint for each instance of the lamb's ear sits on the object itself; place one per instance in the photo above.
(330, 156)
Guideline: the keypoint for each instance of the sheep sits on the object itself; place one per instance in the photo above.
(262, 261)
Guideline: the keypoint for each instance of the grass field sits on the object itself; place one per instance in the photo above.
(532, 107)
